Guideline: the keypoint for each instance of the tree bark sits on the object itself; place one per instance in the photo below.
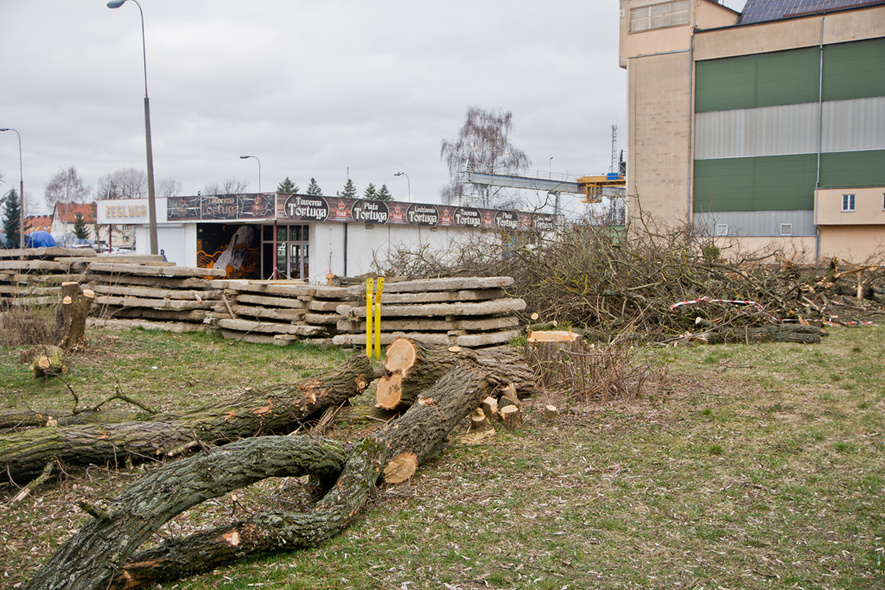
(70, 317)
(278, 410)
(101, 548)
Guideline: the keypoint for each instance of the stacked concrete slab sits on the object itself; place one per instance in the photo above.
(466, 311)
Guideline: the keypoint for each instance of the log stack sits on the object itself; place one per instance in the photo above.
(33, 276)
(147, 292)
(278, 312)
(154, 296)
(472, 312)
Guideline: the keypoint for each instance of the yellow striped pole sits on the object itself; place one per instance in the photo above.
(369, 284)
(378, 318)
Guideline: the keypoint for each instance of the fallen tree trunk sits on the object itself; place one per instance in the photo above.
(100, 549)
(23, 455)
(775, 333)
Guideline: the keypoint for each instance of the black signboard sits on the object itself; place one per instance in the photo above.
(258, 206)
(422, 215)
(221, 207)
(182, 208)
(507, 220)
(370, 212)
(307, 208)
(467, 217)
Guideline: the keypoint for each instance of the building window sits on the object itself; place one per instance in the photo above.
(847, 203)
(721, 229)
(659, 16)
(786, 229)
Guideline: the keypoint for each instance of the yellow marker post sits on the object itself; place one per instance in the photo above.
(369, 284)
(378, 318)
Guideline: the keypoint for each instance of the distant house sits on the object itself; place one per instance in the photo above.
(38, 223)
(64, 216)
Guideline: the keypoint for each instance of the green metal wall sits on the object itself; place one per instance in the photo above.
(778, 183)
(851, 70)
(786, 182)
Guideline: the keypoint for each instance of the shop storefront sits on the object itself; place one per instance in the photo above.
(280, 236)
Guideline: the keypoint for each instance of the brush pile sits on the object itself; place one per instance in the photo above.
(658, 287)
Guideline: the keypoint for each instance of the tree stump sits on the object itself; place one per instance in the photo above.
(544, 351)
(70, 317)
(511, 417)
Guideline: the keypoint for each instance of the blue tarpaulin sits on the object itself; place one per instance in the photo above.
(40, 239)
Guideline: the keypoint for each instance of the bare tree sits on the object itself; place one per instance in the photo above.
(231, 186)
(169, 187)
(125, 183)
(483, 145)
(66, 187)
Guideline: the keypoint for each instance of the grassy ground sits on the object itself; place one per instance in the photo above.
(755, 467)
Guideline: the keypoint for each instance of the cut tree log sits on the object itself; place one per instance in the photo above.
(70, 317)
(413, 366)
(51, 363)
(96, 557)
(280, 409)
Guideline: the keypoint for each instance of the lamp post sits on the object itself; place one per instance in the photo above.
(259, 168)
(21, 212)
(408, 183)
(152, 201)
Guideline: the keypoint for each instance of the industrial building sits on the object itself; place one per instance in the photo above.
(762, 128)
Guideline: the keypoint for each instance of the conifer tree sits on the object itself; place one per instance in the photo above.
(383, 194)
(349, 190)
(80, 230)
(370, 192)
(11, 213)
(314, 189)
(287, 187)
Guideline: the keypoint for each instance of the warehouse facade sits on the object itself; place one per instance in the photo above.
(761, 128)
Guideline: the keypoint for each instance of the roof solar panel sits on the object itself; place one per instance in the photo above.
(757, 11)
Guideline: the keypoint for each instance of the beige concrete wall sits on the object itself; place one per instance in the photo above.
(658, 136)
(709, 14)
(839, 27)
(798, 249)
(869, 206)
(859, 244)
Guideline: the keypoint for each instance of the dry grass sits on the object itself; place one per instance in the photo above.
(757, 467)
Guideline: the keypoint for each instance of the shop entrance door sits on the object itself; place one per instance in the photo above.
(293, 251)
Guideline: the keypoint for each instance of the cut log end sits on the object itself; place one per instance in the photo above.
(401, 356)
(401, 468)
(389, 391)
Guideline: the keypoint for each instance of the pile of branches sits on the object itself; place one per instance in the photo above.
(609, 283)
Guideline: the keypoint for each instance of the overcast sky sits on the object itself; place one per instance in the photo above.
(312, 88)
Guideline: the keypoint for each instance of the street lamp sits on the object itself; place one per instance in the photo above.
(408, 183)
(259, 168)
(21, 212)
(152, 201)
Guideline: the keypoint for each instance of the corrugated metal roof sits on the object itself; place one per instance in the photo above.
(757, 11)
